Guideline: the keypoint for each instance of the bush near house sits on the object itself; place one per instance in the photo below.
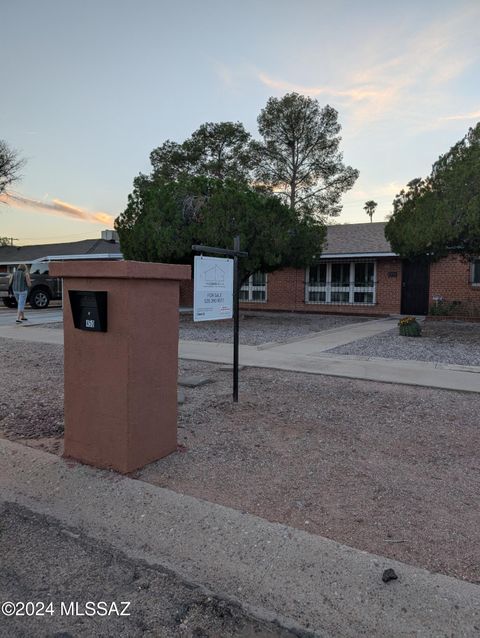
(455, 308)
(409, 327)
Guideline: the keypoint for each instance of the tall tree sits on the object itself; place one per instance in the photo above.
(164, 218)
(220, 150)
(10, 166)
(299, 156)
(441, 213)
(369, 208)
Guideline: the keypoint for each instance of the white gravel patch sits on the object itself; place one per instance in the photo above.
(256, 329)
(454, 342)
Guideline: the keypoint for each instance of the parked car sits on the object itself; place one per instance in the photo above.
(44, 288)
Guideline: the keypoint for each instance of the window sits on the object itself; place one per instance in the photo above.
(255, 288)
(317, 281)
(346, 282)
(476, 272)
(39, 269)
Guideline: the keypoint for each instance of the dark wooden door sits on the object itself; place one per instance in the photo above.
(415, 284)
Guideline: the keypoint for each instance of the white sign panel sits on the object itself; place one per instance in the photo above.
(213, 288)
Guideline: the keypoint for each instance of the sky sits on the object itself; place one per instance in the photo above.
(88, 89)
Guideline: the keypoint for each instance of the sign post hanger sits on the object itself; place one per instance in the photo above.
(236, 253)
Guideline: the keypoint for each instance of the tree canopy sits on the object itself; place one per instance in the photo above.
(275, 193)
(164, 218)
(299, 156)
(220, 150)
(370, 207)
(441, 213)
(10, 166)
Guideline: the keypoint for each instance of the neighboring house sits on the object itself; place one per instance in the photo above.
(358, 273)
(10, 256)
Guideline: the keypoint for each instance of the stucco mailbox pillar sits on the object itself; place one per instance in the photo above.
(121, 361)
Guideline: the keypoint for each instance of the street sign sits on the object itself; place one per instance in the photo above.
(213, 288)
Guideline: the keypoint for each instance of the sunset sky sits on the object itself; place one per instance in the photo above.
(89, 88)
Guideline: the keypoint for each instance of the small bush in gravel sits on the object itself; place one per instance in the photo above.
(409, 327)
(442, 308)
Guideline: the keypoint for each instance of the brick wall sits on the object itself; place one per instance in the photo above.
(286, 291)
(450, 278)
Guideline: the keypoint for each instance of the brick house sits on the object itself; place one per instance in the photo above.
(357, 273)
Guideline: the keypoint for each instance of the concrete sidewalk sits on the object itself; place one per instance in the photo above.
(32, 333)
(274, 571)
(328, 339)
(421, 373)
(306, 356)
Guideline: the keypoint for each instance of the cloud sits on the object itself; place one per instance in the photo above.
(475, 115)
(410, 84)
(388, 190)
(355, 94)
(56, 207)
(224, 73)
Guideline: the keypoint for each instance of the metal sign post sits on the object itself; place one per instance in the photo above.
(236, 253)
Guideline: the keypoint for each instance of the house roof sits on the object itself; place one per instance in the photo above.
(342, 240)
(27, 254)
(356, 239)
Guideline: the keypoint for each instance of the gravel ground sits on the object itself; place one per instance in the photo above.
(454, 342)
(44, 562)
(386, 468)
(258, 329)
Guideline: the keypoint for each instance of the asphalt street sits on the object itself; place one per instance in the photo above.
(55, 581)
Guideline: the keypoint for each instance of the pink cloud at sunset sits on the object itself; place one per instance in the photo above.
(56, 207)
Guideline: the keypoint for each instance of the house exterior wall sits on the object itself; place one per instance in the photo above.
(286, 291)
(451, 279)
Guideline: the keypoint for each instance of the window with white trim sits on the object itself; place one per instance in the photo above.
(255, 288)
(342, 282)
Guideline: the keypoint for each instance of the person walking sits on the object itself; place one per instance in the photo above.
(21, 282)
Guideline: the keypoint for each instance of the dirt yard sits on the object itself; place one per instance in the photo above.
(258, 328)
(456, 342)
(389, 469)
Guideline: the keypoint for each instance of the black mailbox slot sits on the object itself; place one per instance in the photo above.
(89, 309)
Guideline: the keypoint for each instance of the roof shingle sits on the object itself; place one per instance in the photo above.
(27, 254)
(347, 239)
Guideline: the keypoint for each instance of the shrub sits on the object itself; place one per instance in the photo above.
(409, 327)
(444, 308)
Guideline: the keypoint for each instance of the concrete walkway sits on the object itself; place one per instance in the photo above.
(275, 571)
(32, 333)
(35, 317)
(328, 339)
(308, 355)
(421, 373)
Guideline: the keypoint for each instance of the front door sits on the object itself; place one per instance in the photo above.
(415, 284)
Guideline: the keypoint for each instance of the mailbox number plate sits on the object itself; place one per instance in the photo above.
(89, 309)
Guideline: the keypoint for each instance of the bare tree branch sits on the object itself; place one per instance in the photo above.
(10, 166)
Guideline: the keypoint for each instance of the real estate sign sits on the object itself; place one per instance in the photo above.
(213, 288)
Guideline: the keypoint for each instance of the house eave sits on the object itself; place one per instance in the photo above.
(355, 255)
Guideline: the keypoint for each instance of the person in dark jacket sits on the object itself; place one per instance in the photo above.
(20, 282)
